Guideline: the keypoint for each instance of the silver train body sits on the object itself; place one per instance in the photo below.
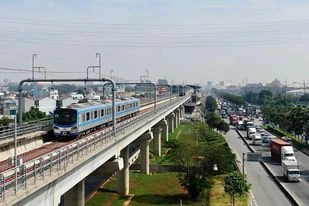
(78, 119)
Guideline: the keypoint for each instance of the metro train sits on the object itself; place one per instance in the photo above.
(80, 118)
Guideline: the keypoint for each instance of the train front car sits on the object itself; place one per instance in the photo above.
(65, 123)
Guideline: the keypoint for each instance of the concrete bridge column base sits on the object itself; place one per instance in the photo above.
(76, 195)
(123, 174)
(146, 138)
(164, 126)
(177, 117)
(157, 140)
(171, 122)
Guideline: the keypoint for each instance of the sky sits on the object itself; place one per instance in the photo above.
(182, 41)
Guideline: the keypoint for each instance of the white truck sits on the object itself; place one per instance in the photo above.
(250, 132)
(287, 153)
(291, 170)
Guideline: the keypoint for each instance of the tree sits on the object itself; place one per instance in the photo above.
(265, 96)
(5, 121)
(198, 159)
(213, 120)
(211, 104)
(236, 183)
(33, 114)
(223, 126)
(185, 155)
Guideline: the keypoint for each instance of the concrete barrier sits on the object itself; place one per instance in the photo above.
(25, 143)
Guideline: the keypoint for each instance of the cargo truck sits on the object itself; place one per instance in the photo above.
(282, 150)
(233, 119)
(291, 170)
(250, 132)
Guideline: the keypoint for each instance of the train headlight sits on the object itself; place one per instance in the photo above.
(73, 128)
(56, 127)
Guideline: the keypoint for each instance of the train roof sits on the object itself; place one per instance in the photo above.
(83, 105)
(90, 104)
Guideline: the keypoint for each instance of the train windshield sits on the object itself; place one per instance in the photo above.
(65, 116)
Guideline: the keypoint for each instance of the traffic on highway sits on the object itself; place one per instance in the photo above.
(279, 163)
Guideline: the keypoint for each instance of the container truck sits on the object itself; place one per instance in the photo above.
(282, 150)
(291, 171)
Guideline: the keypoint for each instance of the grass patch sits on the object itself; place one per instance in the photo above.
(156, 189)
(217, 197)
(161, 189)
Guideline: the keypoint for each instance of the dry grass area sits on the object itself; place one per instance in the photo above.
(217, 196)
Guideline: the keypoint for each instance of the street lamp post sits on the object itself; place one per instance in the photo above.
(33, 55)
(90, 67)
(243, 163)
(99, 55)
(15, 151)
(146, 70)
(110, 73)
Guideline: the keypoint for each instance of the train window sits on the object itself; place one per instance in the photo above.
(95, 114)
(122, 107)
(118, 108)
(131, 105)
(102, 112)
(87, 116)
(83, 117)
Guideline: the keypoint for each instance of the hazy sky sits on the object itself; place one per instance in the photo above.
(192, 41)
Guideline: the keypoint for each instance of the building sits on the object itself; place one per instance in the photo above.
(47, 105)
(9, 107)
(66, 101)
(53, 94)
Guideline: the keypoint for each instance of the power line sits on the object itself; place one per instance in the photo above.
(48, 72)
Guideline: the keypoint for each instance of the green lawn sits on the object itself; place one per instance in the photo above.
(162, 188)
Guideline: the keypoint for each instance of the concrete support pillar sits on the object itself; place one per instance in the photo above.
(76, 195)
(123, 175)
(157, 140)
(145, 140)
(182, 111)
(164, 125)
(171, 122)
(177, 118)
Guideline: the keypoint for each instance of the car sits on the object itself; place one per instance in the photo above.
(266, 140)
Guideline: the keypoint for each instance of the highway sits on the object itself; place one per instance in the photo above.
(265, 191)
(299, 190)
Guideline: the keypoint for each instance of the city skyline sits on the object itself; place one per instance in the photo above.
(181, 41)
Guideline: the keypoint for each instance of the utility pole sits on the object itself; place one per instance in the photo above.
(305, 98)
